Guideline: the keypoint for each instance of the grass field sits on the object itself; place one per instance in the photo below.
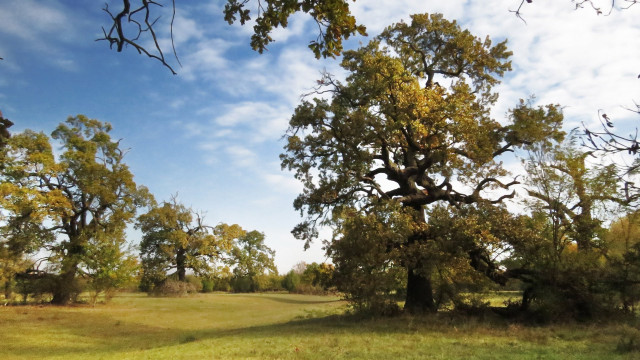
(274, 326)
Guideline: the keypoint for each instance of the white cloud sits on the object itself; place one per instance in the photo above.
(241, 156)
(44, 28)
(32, 21)
(283, 183)
(264, 120)
(207, 59)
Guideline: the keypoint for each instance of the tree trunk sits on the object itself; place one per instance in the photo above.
(8, 289)
(65, 287)
(419, 293)
(419, 290)
(181, 258)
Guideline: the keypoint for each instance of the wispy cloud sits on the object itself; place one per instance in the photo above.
(42, 27)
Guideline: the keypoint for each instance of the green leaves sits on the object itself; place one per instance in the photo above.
(393, 131)
(333, 18)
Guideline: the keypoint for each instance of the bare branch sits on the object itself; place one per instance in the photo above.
(118, 37)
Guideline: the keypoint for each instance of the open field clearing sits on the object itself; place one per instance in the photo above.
(258, 326)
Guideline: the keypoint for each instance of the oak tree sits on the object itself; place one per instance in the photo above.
(411, 125)
(86, 193)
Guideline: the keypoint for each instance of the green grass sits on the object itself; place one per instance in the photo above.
(281, 326)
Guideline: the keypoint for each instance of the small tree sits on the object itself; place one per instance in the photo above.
(110, 265)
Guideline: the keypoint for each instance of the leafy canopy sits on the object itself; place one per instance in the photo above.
(86, 195)
(411, 124)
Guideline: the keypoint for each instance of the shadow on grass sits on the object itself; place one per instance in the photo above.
(300, 301)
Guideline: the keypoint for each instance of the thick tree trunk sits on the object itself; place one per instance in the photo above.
(419, 290)
(419, 293)
(65, 287)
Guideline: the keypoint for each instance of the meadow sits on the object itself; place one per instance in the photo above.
(284, 326)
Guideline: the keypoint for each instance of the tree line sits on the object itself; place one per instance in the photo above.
(64, 220)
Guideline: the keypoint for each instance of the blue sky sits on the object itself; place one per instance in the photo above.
(213, 132)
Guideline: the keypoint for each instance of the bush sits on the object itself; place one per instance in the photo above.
(268, 282)
(39, 285)
(174, 288)
(309, 289)
(195, 281)
(241, 284)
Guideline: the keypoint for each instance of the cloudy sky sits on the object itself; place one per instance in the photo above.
(212, 134)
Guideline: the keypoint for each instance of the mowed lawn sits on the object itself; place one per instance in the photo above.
(281, 326)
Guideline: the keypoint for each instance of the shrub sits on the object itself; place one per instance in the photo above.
(290, 281)
(207, 285)
(39, 284)
(174, 288)
(195, 281)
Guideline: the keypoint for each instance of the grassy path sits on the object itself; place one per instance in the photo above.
(278, 326)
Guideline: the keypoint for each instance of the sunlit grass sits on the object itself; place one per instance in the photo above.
(275, 326)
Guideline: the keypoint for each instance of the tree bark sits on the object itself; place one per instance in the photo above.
(8, 288)
(181, 259)
(419, 290)
(419, 293)
(64, 287)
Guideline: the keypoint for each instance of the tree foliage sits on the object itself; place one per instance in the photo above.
(411, 125)
(67, 205)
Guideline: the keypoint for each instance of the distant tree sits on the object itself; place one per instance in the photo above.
(623, 258)
(300, 267)
(415, 111)
(177, 238)
(319, 275)
(250, 258)
(570, 191)
(85, 194)
(291, 280)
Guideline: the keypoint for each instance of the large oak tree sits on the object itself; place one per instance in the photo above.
(411, 125)
(72, 205)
